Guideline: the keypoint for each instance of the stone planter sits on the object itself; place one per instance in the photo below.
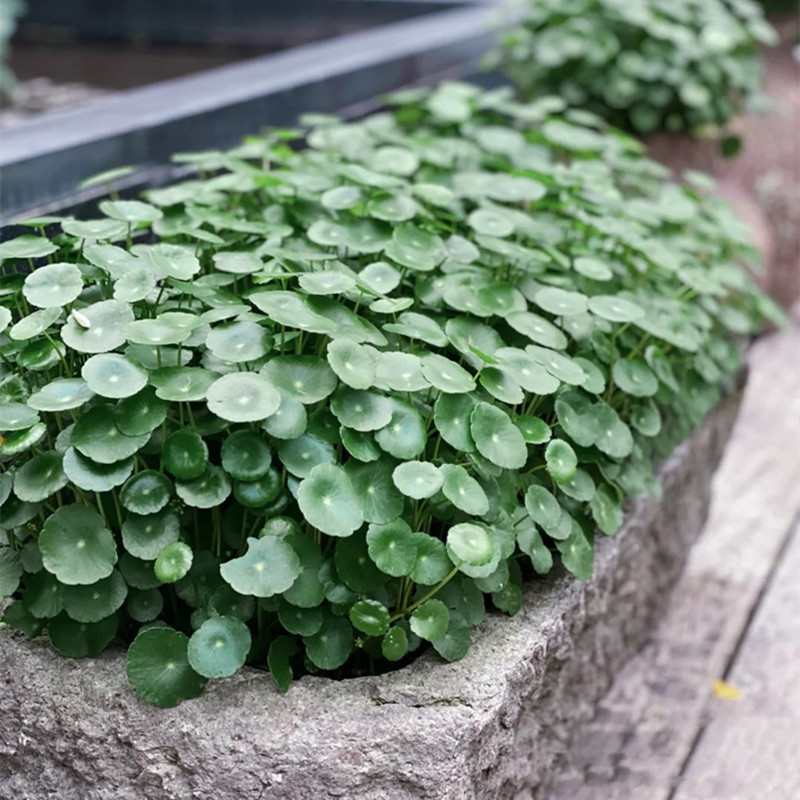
(491, 727)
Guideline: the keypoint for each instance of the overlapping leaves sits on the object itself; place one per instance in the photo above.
(311, 416)
(646, 66)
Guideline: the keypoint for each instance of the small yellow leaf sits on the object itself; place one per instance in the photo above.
(726, 691)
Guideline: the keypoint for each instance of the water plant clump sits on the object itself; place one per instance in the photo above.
(318, 407)
(647, 65)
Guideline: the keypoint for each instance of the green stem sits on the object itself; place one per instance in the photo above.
(442, 583)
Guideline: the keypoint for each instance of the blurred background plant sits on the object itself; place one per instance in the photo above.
(645, 65)
(10, 10)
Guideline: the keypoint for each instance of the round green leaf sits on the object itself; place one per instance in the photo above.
(76, 546)
(40, 477)
(433, 563)
(301, 455)
(61, 394)
(182, 384)
(606, 510)
(20, 619)
(144, 605)
(490, 222)
(561, 302)
(331, 646)
(130, 210)
(97, 601)
(392, 547)
(634, 377)
(245, 455)
(308, 379)
(613, 435)
(268, 567)
(98, 327)
(43, 596)
(542, 507)
(243, 397)
(497, 438)
(54, 285)
(238, 342)
(260, 492)
(577, 554)
(289, 421)
(26, 247)
(140, 414)
(430, 620)
(446, 375)
(145, 536)
(455, 642)
(533, 429)
(328, 501)
(561, 461)
(97, 437)
(173, 261)
(185, 454)
(401, 372)
(134, 285)
(17, 417)
(173, 562)
(158, 668)
(352, 363)
(593, 269)
(370, 617)
(10, 571)
(395, 644)
(326, 282)
(146, 492)
(354, 567)
(615, 309)
(405, 436)
(470, 544)
(361, 410)
(220, 647)
(463, 491)
(113, 375)
(227, 602)
(451, 414)
(372, 482)
(418, 479)
(538, 329)
(558, 365)
(302, 621)
(75, 639)
(209, 490)
(341, 198)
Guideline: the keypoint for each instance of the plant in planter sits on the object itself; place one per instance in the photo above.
(646, 66)
(313, 408)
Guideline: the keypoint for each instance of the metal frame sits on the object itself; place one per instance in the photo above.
(43, 161)
(213, 21)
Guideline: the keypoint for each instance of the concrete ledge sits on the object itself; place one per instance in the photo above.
(491, 727)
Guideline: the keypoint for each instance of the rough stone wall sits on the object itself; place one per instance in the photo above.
(493, 726)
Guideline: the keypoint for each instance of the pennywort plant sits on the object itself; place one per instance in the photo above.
(321, 405)
(645, 65)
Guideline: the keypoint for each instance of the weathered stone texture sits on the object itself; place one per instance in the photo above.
(490, 727)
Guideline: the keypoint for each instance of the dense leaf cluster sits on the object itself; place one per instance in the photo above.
(645, 65)
(318, 406)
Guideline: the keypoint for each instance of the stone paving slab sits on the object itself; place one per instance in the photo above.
(751, 747)
(644, 730)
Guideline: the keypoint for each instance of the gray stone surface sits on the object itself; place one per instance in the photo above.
(750, 747)
(644, 729)
(492, 726)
